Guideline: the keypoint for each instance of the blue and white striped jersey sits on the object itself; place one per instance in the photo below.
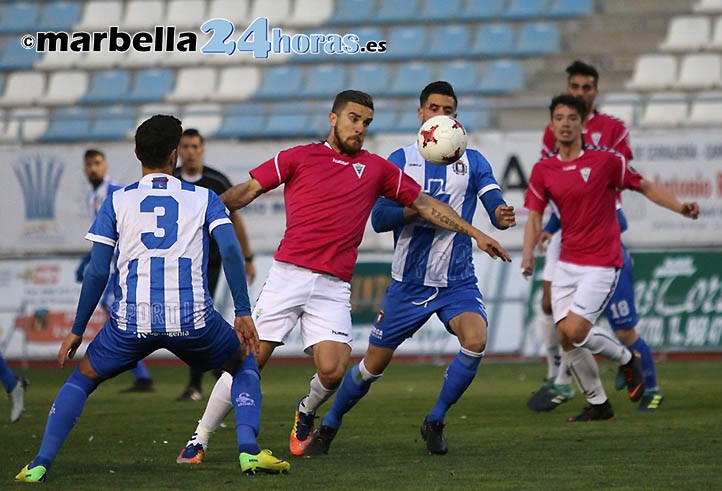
(425, 254)
(160, 228)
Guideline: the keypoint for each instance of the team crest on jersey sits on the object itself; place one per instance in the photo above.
(585, 171)
(359, 168)
(596, 136)
(460, 168)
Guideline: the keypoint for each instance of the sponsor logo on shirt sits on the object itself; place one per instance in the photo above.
(585, 171)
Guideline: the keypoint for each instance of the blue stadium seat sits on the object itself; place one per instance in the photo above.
(385, 120)
(474, 118)
(463, 75)
(536, 39)
(280, 82)
(59, 16)
(392, 11)
(406, 42)
(410, 78)
(242, 121)
(365, 34)
(408, 121)
(2, 85)
(18, 17)
(371, 78)
(571, 8)
(353, 12)
(324, 81)
(483, 9)
(151, 85)
(493, 40)
(289, 120)
(435, 10)
(501, 77)
(68, 124)
(526, 9)
(112, 123)
(449, 41)
(107, 87)
(15, 57)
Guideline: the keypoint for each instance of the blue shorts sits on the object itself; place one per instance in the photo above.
(621, 311)
(406, 307)
(114, 351)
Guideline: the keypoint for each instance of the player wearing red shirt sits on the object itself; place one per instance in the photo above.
(583, 184)
(330, 189)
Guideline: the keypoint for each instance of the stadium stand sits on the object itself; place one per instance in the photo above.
(449, 10)
(654, 72)
(706, 109)
(493, 40)
(699, 71)
(96, 14)
(112, 123)
(68, 124)
(65, 87)
(708, 7)
(18, 17)
(59, 16)
(665, 109)
(687, 33)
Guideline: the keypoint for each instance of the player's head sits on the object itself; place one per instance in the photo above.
(437, 98)
(567, 118)
(582, 81)
(350, 117)
(191, 151)
(95, 166)
(156, 142)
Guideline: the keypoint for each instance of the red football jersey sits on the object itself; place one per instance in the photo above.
(601, 130)
(329, 197)
(584, 191)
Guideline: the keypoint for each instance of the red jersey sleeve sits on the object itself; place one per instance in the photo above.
(621, 141)
(535, 198)
(548, 141)
(398, 186)
(623, 175)
(273, 172)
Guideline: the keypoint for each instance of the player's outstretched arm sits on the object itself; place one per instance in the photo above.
(444, 216)
(532, 231)
(241, 194)
(660, 196)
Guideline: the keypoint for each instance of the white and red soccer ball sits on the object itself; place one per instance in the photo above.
(442, 140)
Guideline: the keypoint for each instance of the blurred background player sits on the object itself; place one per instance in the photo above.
(96, 170)
(15, 387)
(605, 131)
(193, 170)
(433, 273)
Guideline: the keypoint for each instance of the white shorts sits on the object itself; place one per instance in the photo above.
(584, 290)
(552, 256)
(320, 301)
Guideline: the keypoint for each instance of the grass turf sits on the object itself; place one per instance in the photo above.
(130, 441)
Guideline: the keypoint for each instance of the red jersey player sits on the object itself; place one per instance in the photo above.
(330, 189)
(583, 182)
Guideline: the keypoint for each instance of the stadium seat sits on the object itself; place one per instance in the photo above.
(151, 85)
(65, 87)
(193, 85)
(206, 118)
(148, 110)
(623, 105)
(242, 121)
(501, 77)
(653, 72)
(15, 57)
(59, 16)
(463, 75)
(409, 79)
(708, 7)
(477, 10)
(98, 60)
(142, 15)
(353, 12)
(716, 41)
(280, 82)
(68, 124)
(406, 42)
(56, 60)
(373, 78)
(108, 87)
(185, 14)
(18, 17)
(570, 8)
(278, 15)
(143, 59)
(23, 89)
(112, 123)
(236, 83)
(448, 41)
(97, 12)
(233, 10)
(537, 39)
(493, 40)
(474, 118)
(311, 12)
(665, 109)
(289, 120)
(706, 109)
(393, 11)
(386, 116)
(525, 9)
(434, 10)
(25, 125)
(324, 81)
(365, 34)
(687, 33)
(184, 59)
(699, 71)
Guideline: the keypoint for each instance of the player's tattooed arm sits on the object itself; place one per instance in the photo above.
(242, 194)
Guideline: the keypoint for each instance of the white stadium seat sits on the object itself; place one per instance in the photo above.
(206, 118)
(687, 33)
(622, 105)
(311, 12)
(278, 15)
(97, 13)
(147, 110)
(236, 83)
(233, 10)
(23, 89)
(142, 15)
(185, 14)
(55, 60)
(654, 72)
(65, 87)
(708, 7)
(96, 60)
(716, 41)
(25, 124)
(699, 71)
(665, 109)
(706, 109)
(193, 85)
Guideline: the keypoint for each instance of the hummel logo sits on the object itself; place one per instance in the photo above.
(569, 167)
(337, 161)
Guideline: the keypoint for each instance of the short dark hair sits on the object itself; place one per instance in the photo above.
(581, 68)
(570, 101)
(438, 87)
(343, 98)
(93, 152)
(156, 138)
(194, 132)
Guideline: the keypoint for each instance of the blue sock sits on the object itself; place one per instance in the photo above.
(246, 400)
(9, 379)
(641, 347)
(140, 371)
(63, 415)
(459, 375)
(352, 389)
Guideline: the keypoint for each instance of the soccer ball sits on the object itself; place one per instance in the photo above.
(442, 140)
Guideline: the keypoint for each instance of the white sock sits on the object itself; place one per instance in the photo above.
(367, 376)
(218, 407)
(551, 343)
(564, 377)
(585, 370)
(600, 342)
(317, 395)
